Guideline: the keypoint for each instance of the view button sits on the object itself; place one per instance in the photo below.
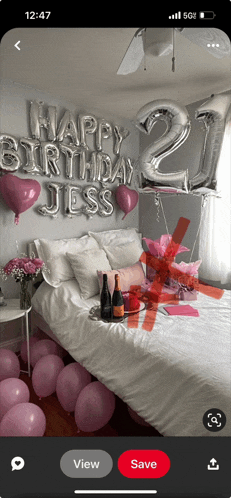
(86, 463)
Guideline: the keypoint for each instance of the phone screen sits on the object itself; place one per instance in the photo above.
(115, 159)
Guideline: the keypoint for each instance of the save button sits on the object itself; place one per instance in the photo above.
(144, 464)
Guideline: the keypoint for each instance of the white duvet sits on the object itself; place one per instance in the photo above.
(170, 376)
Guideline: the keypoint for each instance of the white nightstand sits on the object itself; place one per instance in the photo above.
(11, 312)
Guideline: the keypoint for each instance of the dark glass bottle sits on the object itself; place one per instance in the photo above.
(117, 300)
(105, 300)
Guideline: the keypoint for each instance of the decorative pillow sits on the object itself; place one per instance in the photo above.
(53, 253)
(133, 275)
(116, 237)
(85, 266)
(123, 255)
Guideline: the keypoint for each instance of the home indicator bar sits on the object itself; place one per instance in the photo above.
(115, 491)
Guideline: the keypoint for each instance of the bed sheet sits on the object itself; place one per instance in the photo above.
(170, 376)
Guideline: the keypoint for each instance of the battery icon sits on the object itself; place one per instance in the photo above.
(207, 14)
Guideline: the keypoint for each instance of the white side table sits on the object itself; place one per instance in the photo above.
(11, 312)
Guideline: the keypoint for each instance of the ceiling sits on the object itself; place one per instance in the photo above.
(79, 65)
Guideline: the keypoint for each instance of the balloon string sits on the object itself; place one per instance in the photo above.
(166, 226)
(203, 202)
(17, 250)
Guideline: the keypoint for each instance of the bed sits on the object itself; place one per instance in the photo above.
(170, 376)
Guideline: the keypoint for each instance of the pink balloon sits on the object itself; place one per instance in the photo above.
(23, 352)
(45, 374)
(126, 198)
(94, 407)
(24, 419)
(19, 194)
(71, 380)
(9, 364)
(43, 348)
(12, 392)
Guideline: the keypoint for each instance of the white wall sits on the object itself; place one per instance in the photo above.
(15, 106)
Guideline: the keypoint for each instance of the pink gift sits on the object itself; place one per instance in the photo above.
(167, 294)
(187, 294)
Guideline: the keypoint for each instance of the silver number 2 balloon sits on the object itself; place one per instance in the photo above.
(178, 128)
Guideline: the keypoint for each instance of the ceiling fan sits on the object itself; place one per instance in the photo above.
(161, 41)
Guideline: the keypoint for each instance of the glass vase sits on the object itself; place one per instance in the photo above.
(25, 296)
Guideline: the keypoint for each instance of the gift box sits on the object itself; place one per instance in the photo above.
(168, 294)
(187, 294)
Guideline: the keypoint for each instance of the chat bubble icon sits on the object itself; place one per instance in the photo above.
(17, 463)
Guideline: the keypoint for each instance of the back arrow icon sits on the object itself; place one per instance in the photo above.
(16, 45)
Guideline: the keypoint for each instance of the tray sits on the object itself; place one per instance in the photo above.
(94, 314)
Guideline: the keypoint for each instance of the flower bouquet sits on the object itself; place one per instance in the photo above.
(23, 270)
(158, 248)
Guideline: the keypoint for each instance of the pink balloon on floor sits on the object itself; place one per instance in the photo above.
(9, 364)
(94, 407)
(71, 380)
(24, 419)
(12, 392)
(23, 352)
(43, 348)
(45, 374)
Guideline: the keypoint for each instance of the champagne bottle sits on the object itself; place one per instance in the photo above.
(105, 300)
(117, 300)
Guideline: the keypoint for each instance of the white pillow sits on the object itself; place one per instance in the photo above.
(85, 266)
(123, 255)
(53, 253)
(116, 237)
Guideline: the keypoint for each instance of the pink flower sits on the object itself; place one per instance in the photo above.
(29, 268)
(158, 247)
(10, 266)
(38, 262)
(22, 262)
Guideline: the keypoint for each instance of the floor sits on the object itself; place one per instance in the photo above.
(60, 423)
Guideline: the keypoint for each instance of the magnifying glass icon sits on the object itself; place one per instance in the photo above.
(214, 420)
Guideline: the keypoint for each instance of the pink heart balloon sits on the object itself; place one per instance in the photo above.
(126, 199)
(19, 194)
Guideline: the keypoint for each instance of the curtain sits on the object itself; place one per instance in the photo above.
(214, 241)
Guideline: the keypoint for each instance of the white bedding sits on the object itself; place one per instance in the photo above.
(170, 376)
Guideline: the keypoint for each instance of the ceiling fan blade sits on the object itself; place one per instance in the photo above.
(134, 54)
(214, 40)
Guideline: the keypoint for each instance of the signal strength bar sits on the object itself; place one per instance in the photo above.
(177, 15)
